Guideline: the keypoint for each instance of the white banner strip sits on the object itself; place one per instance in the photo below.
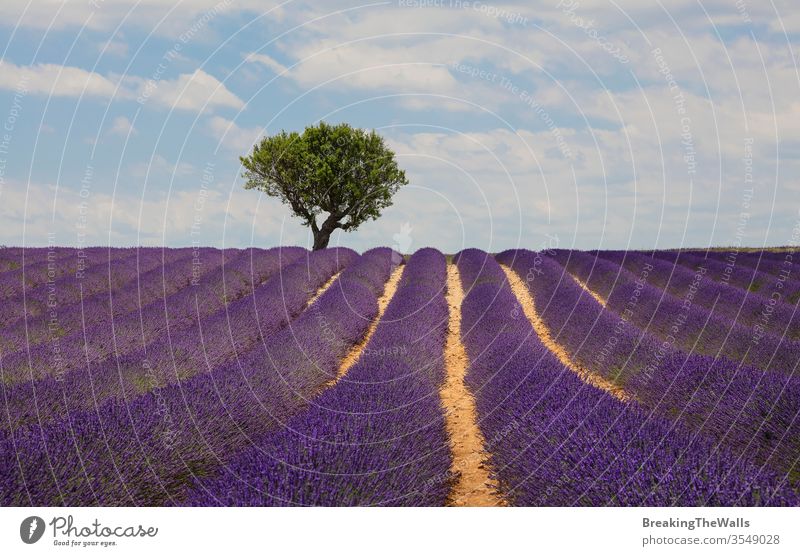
(373, 531)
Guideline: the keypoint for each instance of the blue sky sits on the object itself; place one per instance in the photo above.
(590, 124)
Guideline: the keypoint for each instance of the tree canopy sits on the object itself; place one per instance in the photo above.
(341, 175)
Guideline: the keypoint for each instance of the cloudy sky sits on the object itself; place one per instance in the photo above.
(590, 123)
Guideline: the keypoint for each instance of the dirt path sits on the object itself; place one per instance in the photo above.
(587, 375)
(473, 486)
(586, 288)
(383, 301)
(322, 289)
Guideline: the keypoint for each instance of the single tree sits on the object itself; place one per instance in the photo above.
(343, 171)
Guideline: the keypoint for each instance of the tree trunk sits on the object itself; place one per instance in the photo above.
(323, 235)
(321, 239)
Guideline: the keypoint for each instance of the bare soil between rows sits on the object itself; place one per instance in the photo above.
(473, 484)
(383, 301)
(528, 307)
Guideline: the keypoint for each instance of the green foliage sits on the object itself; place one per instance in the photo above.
(346, 172)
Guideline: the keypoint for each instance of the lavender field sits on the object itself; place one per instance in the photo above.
(279, 377)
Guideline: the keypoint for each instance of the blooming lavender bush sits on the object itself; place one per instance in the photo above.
(557, 441)
(679, 321)
(147, 450)
(754, 414)
(375, 438)
(741, 276)
(215, 377)
(195, 294)
(746, 308)
(204, 344)
(771, 262)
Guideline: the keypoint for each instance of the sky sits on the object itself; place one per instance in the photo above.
(590, 124)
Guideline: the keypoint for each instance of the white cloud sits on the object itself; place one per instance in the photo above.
(410, 66)
(54, 80)
(122, 126)
(232, 137)
(114, 48)
(507, 184)
(267, 61)
(631, 159)
(160, 167)
(198, 92)
(420, 102)
(156, 15)
(212, 217)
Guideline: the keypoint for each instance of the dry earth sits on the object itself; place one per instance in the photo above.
(528, 307)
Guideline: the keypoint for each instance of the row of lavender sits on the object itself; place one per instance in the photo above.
(205, 341)
(65, 282)
(149, 448)
(745, 270)
(689, 311)
(56, 264)
(767, 311)
(750, 413)
(556, 440)
(165, 301)
(376, 437)
(225, 398)
(125, 282)
(771, 261)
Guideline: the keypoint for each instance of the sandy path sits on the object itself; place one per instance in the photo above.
(322, 289)
(587, 375)
(383, 301)
(473, 486)
(588, 290)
